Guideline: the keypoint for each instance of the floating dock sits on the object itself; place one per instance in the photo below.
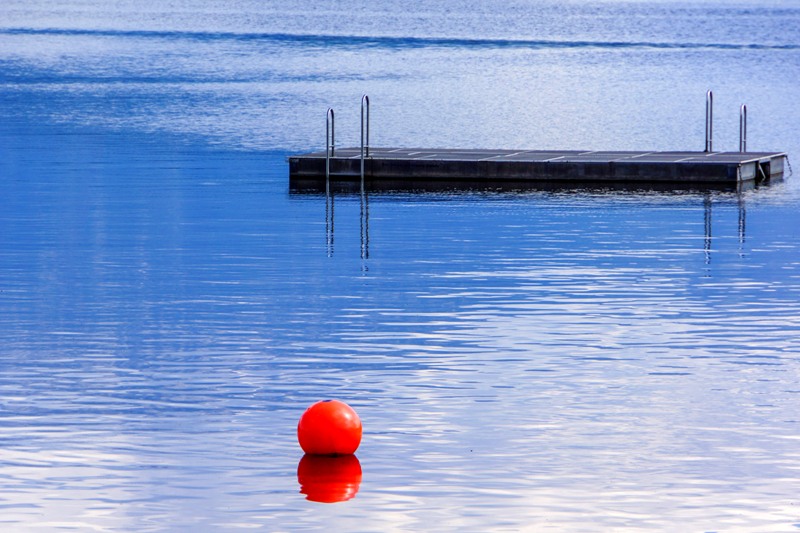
(423, 168)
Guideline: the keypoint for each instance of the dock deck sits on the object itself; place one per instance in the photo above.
(410, 168)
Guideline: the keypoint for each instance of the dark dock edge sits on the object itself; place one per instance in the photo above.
(413, 168)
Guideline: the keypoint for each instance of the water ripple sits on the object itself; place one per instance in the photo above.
(393, 42)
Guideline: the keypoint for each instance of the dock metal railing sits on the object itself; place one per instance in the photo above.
(709, 121)
(330, 140)
(329, 146)
(364, 199)
(364, 141)
(743, 128)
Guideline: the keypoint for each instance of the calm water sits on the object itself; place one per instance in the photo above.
(567, 360)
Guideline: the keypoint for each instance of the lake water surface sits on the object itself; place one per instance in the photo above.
(568, 360)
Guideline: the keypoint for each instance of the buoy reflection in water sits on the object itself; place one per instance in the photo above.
(329, 479)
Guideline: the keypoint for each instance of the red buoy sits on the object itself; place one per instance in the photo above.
(329, 427)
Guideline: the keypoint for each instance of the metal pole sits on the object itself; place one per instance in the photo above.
(709, 121)
(743, 128)
(365, 100)
(330, 143)
(364, 145)
(329, 147)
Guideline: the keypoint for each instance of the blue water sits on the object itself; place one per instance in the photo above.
(576, 360)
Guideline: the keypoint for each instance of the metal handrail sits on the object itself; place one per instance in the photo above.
(329, 145)
(709, 120)
(743, 128)
(364, 146)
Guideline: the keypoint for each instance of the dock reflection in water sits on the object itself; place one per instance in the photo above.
(707, 196)
(330, 222)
